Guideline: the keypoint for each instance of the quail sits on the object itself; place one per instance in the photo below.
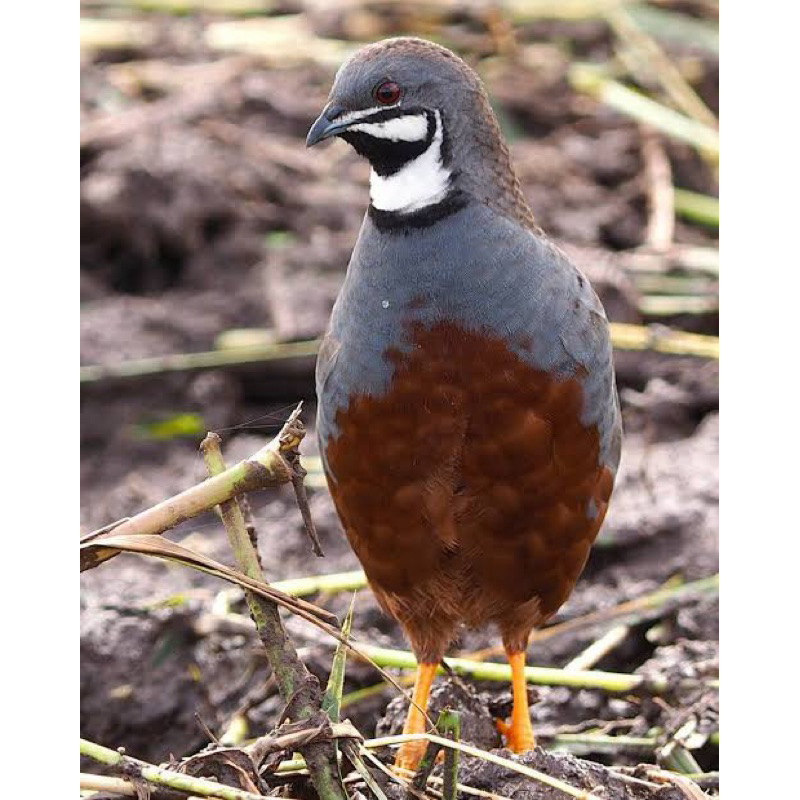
(467, 412)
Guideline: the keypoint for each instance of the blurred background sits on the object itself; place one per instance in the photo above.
(213, 245)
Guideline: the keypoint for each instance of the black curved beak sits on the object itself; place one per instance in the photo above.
(326, 124)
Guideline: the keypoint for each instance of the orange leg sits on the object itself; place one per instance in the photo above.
(410, 753)
(519, 733)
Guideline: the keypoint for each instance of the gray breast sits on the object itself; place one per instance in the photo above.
(481, 271)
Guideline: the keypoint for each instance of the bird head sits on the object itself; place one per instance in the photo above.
(421, 117)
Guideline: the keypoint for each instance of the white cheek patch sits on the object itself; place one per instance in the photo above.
(422, 182)
(409, 128)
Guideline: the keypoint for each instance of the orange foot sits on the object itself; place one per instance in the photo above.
(409, 755)
(519, 737)
(519, 734)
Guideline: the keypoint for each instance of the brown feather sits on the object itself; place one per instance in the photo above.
(464, 489)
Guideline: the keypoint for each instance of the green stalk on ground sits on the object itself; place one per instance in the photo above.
(546, 676)
(624, 337)
(449, 726)
(165, 777)
(335, 582)
(697, 207)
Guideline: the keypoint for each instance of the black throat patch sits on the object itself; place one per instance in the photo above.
(385, 156)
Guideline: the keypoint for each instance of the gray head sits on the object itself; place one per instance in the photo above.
(422, 118)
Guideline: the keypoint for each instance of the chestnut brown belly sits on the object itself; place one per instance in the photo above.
(470, 490)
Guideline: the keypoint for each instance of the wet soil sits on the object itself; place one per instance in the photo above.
(203, 212)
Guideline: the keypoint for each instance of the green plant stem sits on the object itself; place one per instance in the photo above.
(694, 285)
(548, 676)
(678, 759)
(598, 649)
(190, 362)
(697, 207)
(630, 612)
(266, 354)
(336, 582)
(670, 305)
(449, 726)
(675, 755)
(166, 777)
(638, 337)
(685, 257)
(295, 684)
(332, 701)
(356, 696)
(635, 610)
(582, 743)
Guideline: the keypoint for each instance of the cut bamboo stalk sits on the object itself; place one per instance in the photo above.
(266, 467)
(638, 337)
(335, 582)
(583, 743)
(697, 207)
(296, 685)
(115, 34)
(624, 337)
(672, 26)
(547, 676)
(280, 41)
(107, 783)
(598, 649)
(190, 362)
(590, 80)
(652, 60)
(182, 7)
(654, 283)
(663, 305)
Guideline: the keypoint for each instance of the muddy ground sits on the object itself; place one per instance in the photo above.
(203, 212)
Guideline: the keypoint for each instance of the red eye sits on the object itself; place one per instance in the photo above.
(388, 93)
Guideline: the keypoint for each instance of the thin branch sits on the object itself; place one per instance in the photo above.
(660, 193)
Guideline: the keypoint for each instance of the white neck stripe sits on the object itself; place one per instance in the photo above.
(408, 128)
(354, 116)
(422, 182)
